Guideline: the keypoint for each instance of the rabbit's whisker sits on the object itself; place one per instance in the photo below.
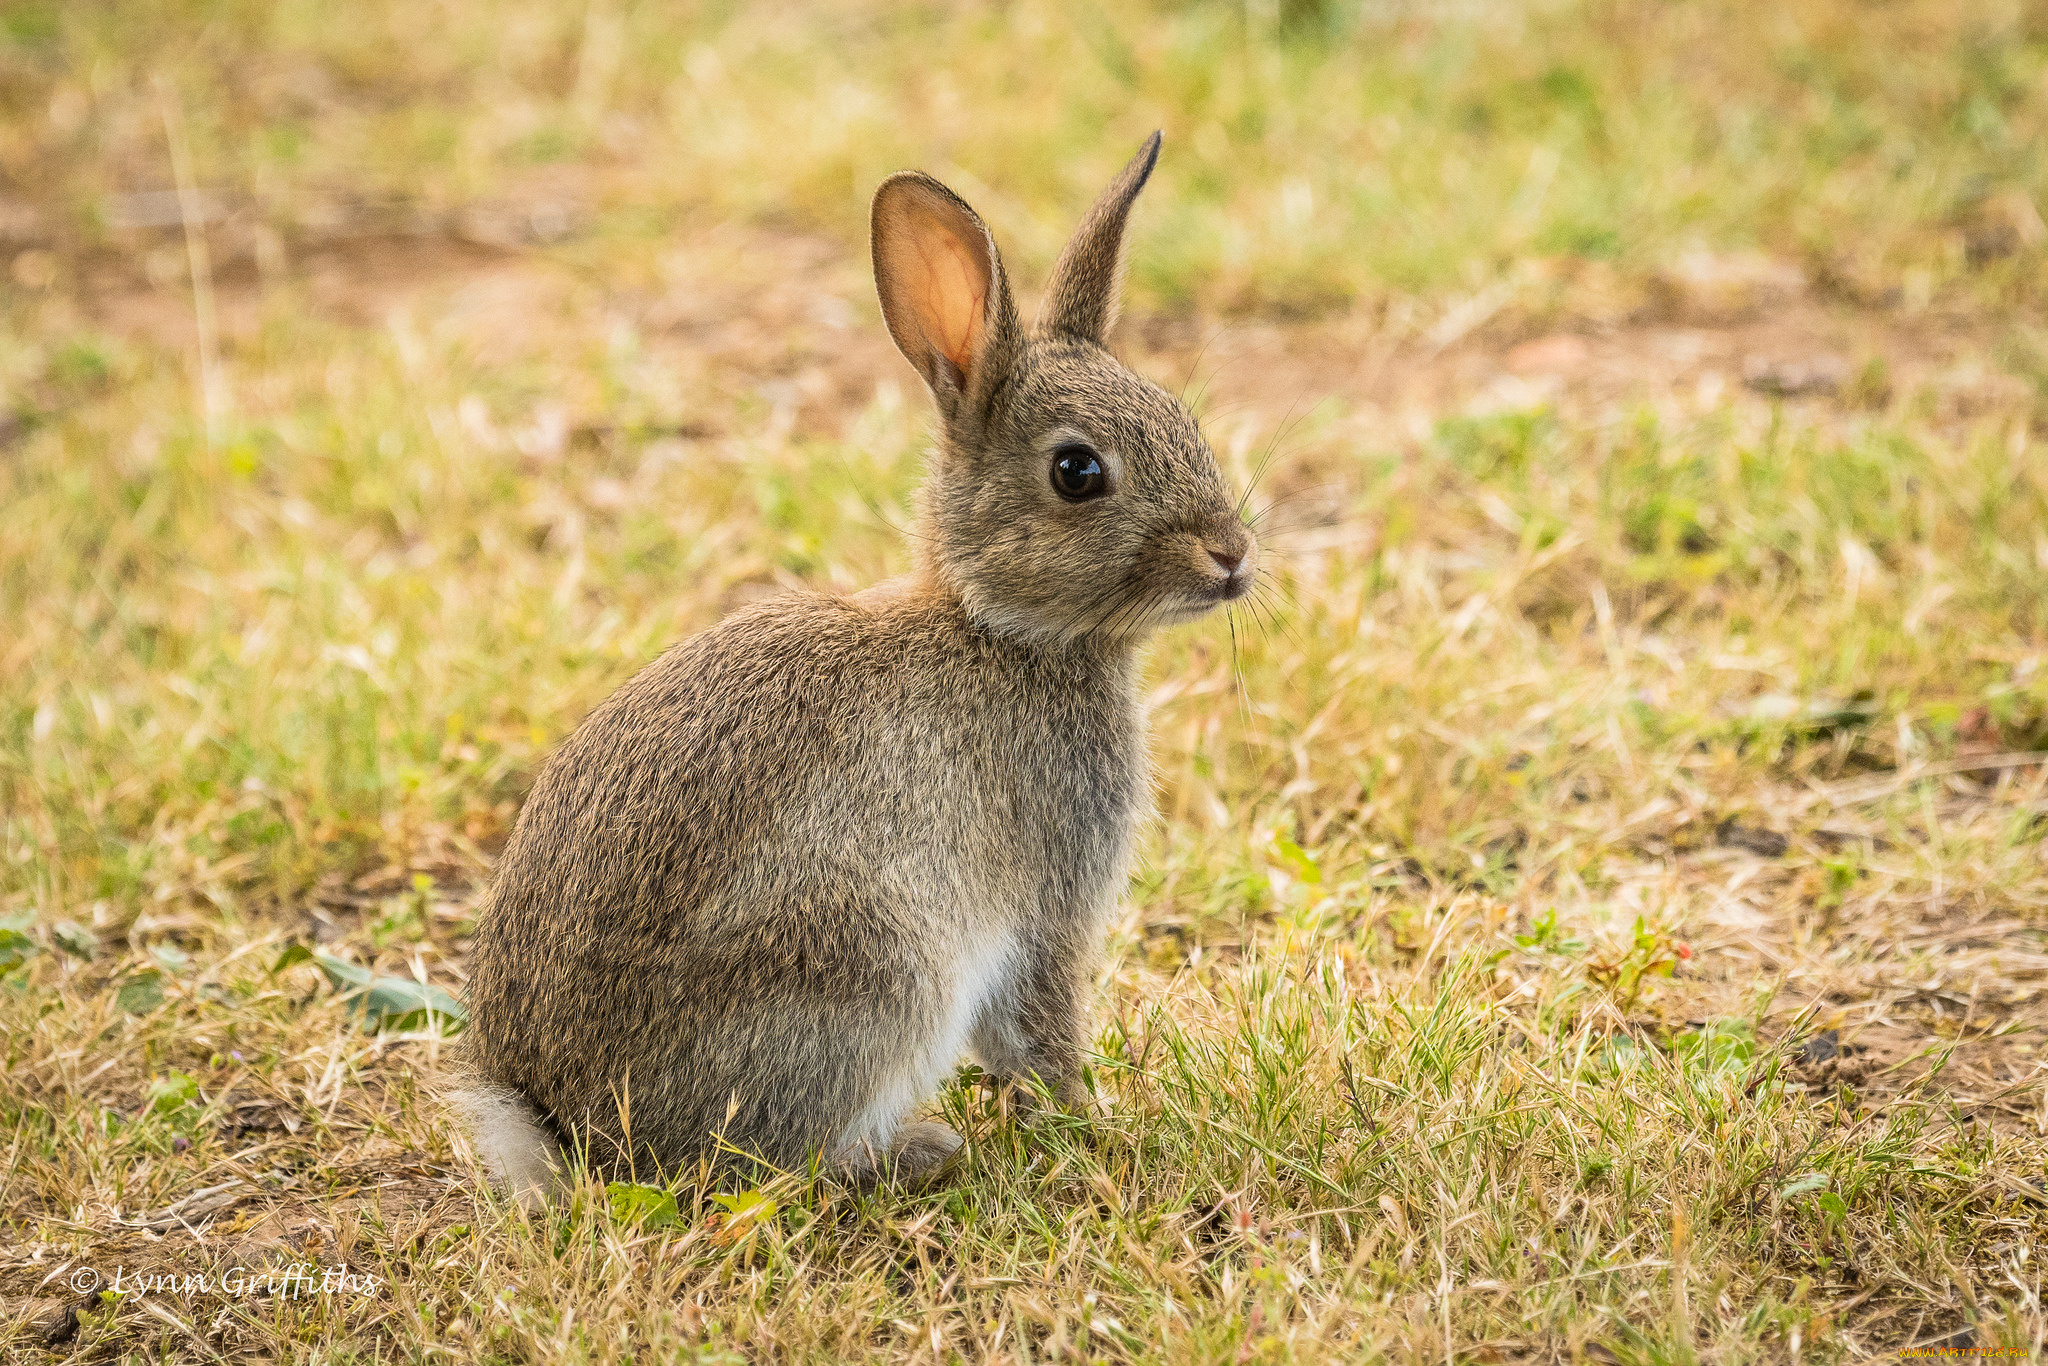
(1206, 417)
(1133, 606)
(1267, 535)
(1191, 404)
(1253, 605)
(873, 507)
(1244, 700)
(1221, 366)
(1313, 491)
(1106, 598)
(1287, 425)
(1196, 364)
(1294, 593)
(1265, 602)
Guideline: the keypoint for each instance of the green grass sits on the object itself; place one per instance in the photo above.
(1605, 749)
(1321, 153)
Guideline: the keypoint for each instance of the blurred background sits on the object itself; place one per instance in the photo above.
(1325, 155)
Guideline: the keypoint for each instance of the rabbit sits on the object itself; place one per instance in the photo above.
(768, 894)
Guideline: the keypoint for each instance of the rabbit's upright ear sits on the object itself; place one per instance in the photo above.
(1081, 301)
(942, 287)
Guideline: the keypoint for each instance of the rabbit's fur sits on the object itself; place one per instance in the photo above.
(770, 891)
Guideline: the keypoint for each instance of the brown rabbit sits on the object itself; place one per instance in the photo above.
(769, 893)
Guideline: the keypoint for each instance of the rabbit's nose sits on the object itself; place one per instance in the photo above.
(1226, 560)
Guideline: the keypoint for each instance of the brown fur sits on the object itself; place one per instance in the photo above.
(775, 884)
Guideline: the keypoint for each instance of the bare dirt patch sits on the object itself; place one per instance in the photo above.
(789, 317)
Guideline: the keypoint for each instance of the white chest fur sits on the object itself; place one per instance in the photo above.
(982, 969)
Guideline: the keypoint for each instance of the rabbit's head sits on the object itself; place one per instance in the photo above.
(1069, 497)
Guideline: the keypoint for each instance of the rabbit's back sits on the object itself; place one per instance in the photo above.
(773, 882)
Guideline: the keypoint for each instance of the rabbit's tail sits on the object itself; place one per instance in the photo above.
(513, 1144)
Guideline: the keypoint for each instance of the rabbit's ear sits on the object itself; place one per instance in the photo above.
(1081, 301)
(942, 287)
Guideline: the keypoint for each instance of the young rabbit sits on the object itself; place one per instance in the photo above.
(771, 890)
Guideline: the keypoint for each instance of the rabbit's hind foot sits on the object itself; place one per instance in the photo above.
(922, 1153)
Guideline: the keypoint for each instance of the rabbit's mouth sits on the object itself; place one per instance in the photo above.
(1196, 603)
(1194, 608)
(1225, 591)
(1231, 589)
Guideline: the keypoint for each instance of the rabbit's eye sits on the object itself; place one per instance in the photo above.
(1077, 474)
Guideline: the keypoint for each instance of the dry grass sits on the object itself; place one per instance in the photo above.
(1599, 911)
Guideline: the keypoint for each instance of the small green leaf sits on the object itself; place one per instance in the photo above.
(747, 1205)
(141, 993)
(393, 1003)
(1297, 859)
(345, 976)
(1721, 1046)
(171, 1093)
(1800, 1185)
(75, 939)
(16, 948)
(170, 957)
(293, 955)
(1622, 1053)
(647, 1205)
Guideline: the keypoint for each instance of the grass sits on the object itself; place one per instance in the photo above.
(1598, 906)
(1322, 152)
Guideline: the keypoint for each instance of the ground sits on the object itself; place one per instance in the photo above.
(1598, 909)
